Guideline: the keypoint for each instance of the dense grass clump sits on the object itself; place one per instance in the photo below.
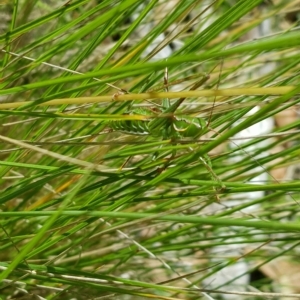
(149, 149)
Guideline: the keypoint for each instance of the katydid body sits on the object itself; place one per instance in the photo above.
(165, 124)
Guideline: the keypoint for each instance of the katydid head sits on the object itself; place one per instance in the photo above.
(189, 127)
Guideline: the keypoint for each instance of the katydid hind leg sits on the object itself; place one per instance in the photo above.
(208, 165)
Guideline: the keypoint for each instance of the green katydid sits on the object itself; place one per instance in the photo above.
(168, 126)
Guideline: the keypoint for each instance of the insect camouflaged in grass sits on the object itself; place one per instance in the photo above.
(169, 126)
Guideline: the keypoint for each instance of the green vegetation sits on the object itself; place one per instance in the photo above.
(92, 209)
